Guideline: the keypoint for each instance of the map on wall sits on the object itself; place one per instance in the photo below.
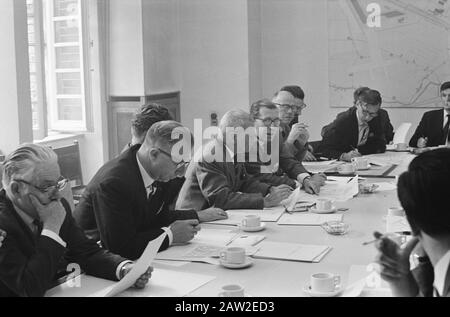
(406, 58)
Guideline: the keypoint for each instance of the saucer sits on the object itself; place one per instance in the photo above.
(314, 210)
(248, 262)
(307, 290)
(253, 229)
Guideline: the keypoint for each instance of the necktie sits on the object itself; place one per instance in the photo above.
(38, 226)
(446, 130)
(155, 197)
(364, 134)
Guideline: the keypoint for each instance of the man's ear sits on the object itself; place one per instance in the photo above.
(15, 188)
(153, 153)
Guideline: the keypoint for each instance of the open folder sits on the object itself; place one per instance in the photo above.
(291, 252)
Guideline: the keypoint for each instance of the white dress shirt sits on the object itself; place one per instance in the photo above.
(440, 273)
(148, 182)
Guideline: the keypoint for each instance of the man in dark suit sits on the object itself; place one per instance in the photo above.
(433, 129)
(217, 175)
(358, 131)
(129, 197)
(42, 236)
(423, 192)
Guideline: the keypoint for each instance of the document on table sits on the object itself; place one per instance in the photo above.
(291, 252)
(163, 283)
(320, 167)
(385, 187)
(401, 133)
(139, 268)
(308, 219)
(338, 189)
(397, 224)
(236, 216)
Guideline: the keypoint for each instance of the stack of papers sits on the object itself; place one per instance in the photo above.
(321, 167)
(291, 252)
(308, 219)
(235, 217)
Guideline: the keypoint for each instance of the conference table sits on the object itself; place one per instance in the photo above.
(275, 278)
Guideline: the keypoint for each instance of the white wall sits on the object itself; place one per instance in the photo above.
(295, 51)
(214, 57)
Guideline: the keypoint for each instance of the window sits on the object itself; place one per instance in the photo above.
(59, 66)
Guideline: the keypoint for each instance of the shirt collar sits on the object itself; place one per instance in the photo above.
(148, 181)
(440, 273)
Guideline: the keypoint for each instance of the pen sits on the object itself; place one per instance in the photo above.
(350, 180)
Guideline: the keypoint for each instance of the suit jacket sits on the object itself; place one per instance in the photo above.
(126, 218)
(29, 264)
(342, 135)
(225, 185)
(432, 127)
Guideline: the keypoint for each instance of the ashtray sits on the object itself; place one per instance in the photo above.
(337, 228)
(365, 188)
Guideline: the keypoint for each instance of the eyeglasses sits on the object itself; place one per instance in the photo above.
(292, 107)
(179, 166)
(59, 186)
(269, 122)
(367, 112)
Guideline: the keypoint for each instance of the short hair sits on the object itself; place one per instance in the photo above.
(371, 97)
(234, 119)
(264, 103)
(24, 159)
(295, 91)
(161, 133)
(445, 86)
(358, 92)
(423, 193)
(148, 115)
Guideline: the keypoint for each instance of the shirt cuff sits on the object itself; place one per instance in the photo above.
(119, 268)
(169, 234)
(301, 177)
(53, 236)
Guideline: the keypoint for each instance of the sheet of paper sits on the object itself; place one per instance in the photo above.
(308, 219)
(397, 224)
(139, 268)
(290, 251)
(385, 187)
(320, 167)
(164, 263)
(401, 133)
(364, 281)
(245, 241)
(163, 283)
(217, 236)
(235, 217)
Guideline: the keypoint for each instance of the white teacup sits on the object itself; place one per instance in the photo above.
(232, 291)
(401, 147)
(233, 255)
(396, 211)
(324, 204)
(346, 169)
(251, 221)
(361, 163)
(325, 282)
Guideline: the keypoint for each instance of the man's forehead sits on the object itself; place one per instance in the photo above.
(285, 97)
(268, 112)
(47, 171)
(446, 92)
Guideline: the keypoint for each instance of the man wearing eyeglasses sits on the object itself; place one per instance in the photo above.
(130, 196)
(358, 131)
(290, 101)
(42, 235)
(267, 115)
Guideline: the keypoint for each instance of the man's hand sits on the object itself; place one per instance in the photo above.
(394, 265)
(277, 195)
(309, 157)
(312, 184)
(422, 143)
(298, 133)
(212, 214)
(347, 157)
(2, 237)
(142, 281)
(51, 215)
(184, 231)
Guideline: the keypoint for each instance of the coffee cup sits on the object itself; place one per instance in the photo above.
(346, 169)
(233, 290)
(324, 204)
(251, 221)
(325, 282)
(396, 211)
(401, 147)
(233, 255)
(361, 163)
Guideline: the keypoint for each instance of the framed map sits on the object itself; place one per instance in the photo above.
(406, 56)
